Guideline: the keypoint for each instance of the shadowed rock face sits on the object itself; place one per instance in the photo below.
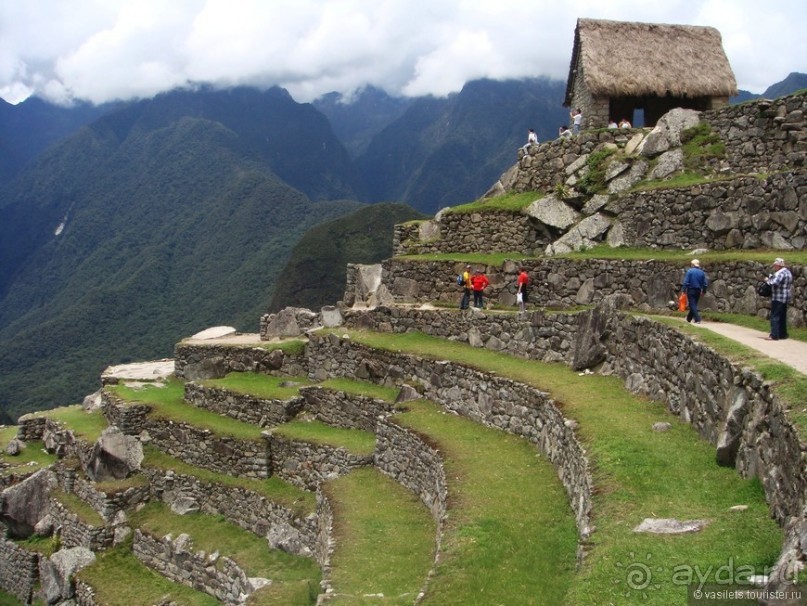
(594, 329)
(23, 505)
(115, 456)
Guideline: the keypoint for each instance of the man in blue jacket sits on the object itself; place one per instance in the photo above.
(694, 285)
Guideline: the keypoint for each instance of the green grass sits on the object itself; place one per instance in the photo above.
(510, 203)
(301, 502)
(31, 459)
(291, 347)
(119, 579)
(384, 539)
(638, 474)
(510, 537)
(362, 388)
(494, 259)
(684, 256)
(356, 441)
(211, 533)
(169, 403)
(259, 385)
(75, 505)
(6, 599)
(85, 425)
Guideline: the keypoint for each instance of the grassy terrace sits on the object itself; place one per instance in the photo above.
(169, 403)
(510, 537)
(274, 489)
(214, 534)
(85, 425)
(119, 579)
(259, 385)
(680, 256)
(32, 459)
(355, 441)
(384, 540)
(638, 474)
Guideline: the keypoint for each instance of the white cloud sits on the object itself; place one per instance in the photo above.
(100, 50)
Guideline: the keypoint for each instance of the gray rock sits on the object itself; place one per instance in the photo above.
(616, 235)
(331, 316)
(728, 442)
(23, 505)
(57, 573)
(15, 446)
(670, 526)
(114, 456)
(669, 162)
(667, 132)
(428, 231)
(290, 322)
(407, 394)
(661, 427)
(595, 203)
(627, 180)
(553, 212)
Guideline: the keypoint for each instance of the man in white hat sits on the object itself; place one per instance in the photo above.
(781, 282)
(694, 285)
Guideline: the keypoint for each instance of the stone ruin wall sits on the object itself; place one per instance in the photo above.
(19, 570)
(490, 400)
(242, 407)
(567, 283)
(731, 407)
(765, 137)
(198, 362)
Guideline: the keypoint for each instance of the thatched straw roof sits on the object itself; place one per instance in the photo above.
(633, 59)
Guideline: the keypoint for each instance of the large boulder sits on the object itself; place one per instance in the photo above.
(23, 505)
(594, 330)
(667, 133)
(114, 456)
(290, 322)
(553, 212)
(57, 572)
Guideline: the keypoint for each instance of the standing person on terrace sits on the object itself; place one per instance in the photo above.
(479, 281)
(466, 288)
(523, 281)
(694, 285)
(781, 282)
(577, 121)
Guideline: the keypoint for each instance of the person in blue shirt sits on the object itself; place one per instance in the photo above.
(781, 282)
(694, 285)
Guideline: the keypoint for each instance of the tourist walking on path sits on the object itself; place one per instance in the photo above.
(479, 281)
(694, 285)
(466, 288)
(521, 292)
(781, 282)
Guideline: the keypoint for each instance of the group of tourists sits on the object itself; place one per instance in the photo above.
(780, 280)
(693, 287)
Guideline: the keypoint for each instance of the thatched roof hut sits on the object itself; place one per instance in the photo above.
(647, 66)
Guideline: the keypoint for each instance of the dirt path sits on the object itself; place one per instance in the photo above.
(790, 352)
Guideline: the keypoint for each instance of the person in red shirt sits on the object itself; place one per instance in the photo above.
(479, 281)
(523, 281)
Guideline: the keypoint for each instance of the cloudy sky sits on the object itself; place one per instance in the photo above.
(101, 50)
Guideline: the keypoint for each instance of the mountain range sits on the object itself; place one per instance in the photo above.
(126, 227)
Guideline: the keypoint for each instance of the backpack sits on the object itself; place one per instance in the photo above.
(460, 281)
(764, 290)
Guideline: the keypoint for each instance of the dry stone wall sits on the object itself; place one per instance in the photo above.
(564, 283)
(75, 532)
(243, 407)
(19, 570)
(248, 509)
(307, 465)
(487, 399)
(198, 362)
(341, 409)
(215, 575)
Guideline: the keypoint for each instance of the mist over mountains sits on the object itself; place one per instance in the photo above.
(127, 227)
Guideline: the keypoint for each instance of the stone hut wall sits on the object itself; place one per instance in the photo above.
(198, 362)
(19, 570)
(250, 510)
(490, 400)
(218, 576)
(249, 409)
(557, 282)
(341, 409)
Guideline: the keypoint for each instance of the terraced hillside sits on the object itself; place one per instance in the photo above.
(411, 452)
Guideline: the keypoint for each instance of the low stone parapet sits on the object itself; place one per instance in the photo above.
(74, 532)
(19, 570)
(307, 465)
(195, 362)
(263, 412)
(340, 409)
(215, 575)
(250, 510)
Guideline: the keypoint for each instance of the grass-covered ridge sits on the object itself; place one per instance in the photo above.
(259, 385)
(514, 203)
(356, 441)
(639, 474)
